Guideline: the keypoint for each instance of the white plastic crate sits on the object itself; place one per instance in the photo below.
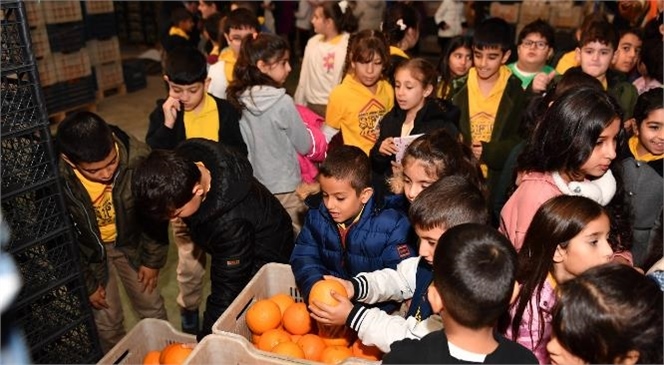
(71, 66)
(57, 12)
(271, 279)
(148, 335)
(103, 51)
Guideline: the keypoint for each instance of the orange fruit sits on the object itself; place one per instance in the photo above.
(321, 291)
(283, 301)
(295, 338)
(366, 352)
(271, 338)
(296, 319)
(335, 354)
(312, 345)
(152, 358)
(255, 338)
(288, 348)
(336, 335)
(262, 316)
(175, 354)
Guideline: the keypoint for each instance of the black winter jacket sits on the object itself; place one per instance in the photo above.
(161, 137)
(143, 244)
(239, 223)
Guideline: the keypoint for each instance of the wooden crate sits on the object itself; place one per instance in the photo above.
(62, 11)
(72, 65)
(103, 51)
(48, 73)
(510, 13)
(568, 17)
(109, 75)
(40, 45)
(35, 13)
(531, 11)
(98, 6)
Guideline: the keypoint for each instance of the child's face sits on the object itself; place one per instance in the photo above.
(460, 62)
(534, 50)
(319, 21)
(409, 91)
(341, 200)
(604, 152)
(235, 36)
(487, 62)
(191, 206)
(190, 96)
(560, 356)
(186, 25)
(428, 242)
(102, 171)
(278, 68)
(415, 179)
(587, 249)
(205, 9)
(627, 54)
(595, 58)
(368, 73)
(651, 133)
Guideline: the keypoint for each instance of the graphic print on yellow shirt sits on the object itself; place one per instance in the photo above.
(204, 124)
(356, 111)
(101, 196)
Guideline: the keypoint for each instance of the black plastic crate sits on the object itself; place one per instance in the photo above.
(20, 107)
(33, 216)
(15, 46)
(58, 326)
(100, 26)
(66, 37)
(135, 77)
(69, 94)
(26, 161)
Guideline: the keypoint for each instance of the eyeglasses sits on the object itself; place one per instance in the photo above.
(538, 44)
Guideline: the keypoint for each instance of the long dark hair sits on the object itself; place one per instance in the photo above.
(608, 311)
(556, 222)
(444, 63)
(343, 21)
(396, 17)
(262, 47)
(364, 45)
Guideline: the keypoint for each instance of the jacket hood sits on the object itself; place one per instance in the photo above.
(232, 175)
(258, 99)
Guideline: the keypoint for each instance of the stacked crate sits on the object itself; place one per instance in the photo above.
(52, 308)
(65, 71)
(103, 47)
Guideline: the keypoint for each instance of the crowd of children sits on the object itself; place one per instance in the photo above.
(502, 204)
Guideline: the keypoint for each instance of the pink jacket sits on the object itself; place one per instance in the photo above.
(314, 123)
(529, 332)
(533, 191)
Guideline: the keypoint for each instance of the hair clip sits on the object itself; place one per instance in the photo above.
(343, 5)
(401, 24)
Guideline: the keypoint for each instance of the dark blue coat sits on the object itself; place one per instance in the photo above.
(376, 241)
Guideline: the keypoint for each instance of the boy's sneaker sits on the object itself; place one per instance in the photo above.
(189, 321)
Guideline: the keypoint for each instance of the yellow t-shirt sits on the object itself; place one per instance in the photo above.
(396, 51)
(101, 196)
(356, 111)
(204, 124)
(567, 61)
(178, 32)
(482, 110)
(229, 58)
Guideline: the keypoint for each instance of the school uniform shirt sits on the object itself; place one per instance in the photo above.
(322, 67)
(356, 111)
(527, 77)
(483, 109)
(221, 73)
(274, 133)
(205, 123)
(435, 348)
(567, 61)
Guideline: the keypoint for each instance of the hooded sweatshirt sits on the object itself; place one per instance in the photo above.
(274, 133)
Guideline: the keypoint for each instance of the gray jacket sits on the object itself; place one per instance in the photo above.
(274, 133)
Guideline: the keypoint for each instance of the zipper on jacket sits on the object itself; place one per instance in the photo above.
(87, 216)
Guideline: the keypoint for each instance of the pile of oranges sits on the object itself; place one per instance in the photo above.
(282, 326)
(173, 354)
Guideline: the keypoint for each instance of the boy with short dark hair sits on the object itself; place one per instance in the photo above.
(474, 280)
(239, 24)
(596, 50)
(231, 215)
(351, 231)
(447, 203)
(179, 35)
(535, 45)
(492, 101)
(97, 162)
(190, 112)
